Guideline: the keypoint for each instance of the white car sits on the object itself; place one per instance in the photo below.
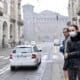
(33, 43)
(25, 55)
(57, 42)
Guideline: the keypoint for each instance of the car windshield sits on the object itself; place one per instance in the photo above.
(23, 50)
(35, 48)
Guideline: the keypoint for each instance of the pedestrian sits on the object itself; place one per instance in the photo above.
(66, 34)
(62, 49)
(73, 53)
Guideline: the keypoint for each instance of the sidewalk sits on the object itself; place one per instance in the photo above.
(5, 51)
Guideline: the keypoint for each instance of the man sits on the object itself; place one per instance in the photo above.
(66, 34)
(73, 53)
(62, 49)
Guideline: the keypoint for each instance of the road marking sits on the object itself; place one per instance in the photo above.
(55, 57)
(3, 70)
(3, 57)
(47, 61)
(6, 57)
(44, 57)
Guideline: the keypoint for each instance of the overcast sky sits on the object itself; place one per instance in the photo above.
(60, 6)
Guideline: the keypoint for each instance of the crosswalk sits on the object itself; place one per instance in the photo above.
(4, 69)
(4, 57)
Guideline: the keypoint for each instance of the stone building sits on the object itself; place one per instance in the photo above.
(71, 11)
(10, 21)
(74, 11)
(43, 26)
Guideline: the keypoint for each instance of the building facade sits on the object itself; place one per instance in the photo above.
(74, 11)
(43, 26)
(10, 22)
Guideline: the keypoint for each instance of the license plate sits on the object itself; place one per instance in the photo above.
(21, 56)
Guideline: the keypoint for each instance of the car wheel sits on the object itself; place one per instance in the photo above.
(40, 62)
(12, 68)
(36, 67)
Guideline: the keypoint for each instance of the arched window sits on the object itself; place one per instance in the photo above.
(4, 27)
(4, 38)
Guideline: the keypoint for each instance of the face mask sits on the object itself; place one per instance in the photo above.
(73, 34)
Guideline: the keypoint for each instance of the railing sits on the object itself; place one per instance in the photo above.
(13, 18)
(20, 22)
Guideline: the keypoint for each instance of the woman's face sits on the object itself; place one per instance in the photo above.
(72, 29)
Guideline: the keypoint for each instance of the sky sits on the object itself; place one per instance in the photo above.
(60, 6)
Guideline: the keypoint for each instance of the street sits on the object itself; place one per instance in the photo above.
(52, 30)
(49, 69)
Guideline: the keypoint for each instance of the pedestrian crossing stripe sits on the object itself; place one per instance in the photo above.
(3, 57)
(4, 69)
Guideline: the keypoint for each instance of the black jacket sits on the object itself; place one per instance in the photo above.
(73, 50)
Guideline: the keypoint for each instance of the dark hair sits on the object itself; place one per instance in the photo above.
(75, 26)
(65, 29)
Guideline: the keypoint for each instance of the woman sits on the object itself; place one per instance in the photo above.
(73, 53)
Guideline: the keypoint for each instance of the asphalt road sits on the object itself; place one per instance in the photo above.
(49, 69)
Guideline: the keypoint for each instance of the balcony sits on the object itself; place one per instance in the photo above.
(68, 23)
(74, 19)
(78, 10)
(19, 1)
(1, 8)
(12, 17)
(20, 22)
(78, 13)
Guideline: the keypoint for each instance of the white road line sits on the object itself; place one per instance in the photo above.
(44, 58)
(3, 70)
(55, 57)
(6, 57)
(1, 57)
(47, 61)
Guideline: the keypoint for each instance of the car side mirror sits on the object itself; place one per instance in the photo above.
(14, 51)
(39, 50)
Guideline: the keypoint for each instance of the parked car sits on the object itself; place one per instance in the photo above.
(57, 42)
(33, 43)
(25, 55)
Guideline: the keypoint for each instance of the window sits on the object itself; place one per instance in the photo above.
(24, 50)
(35, 48)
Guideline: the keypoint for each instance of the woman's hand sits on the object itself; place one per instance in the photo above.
(65, 55)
